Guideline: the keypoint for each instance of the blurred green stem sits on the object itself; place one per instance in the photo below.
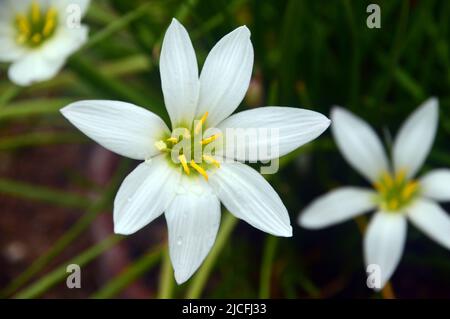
(266, 267)
(70, 235)
(166, 281)
(57, 275)
(44, 194)
(129, 275)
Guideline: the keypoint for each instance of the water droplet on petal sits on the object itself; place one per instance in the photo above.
(179, 240)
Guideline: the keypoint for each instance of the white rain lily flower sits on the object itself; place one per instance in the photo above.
(190, 191)
(37, 36)
(398, 196)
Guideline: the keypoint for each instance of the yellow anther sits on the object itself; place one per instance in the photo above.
(400, 176)
(50, 22)
(183, 162)
(35, 12)
(160, 145)
(379, 187)
(387, 180)
(211, 160)
(36, 38)
(393, 204)
(200, 123)
(199, 169)
(172, 140)
(409, 190)
(23, 25)
(210, 139)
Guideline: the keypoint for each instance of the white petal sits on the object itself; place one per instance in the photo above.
(436, 185)
(225, 76)
(415, 138)
(384, 242)
(144, 195)
(359, 144)
(193, 220)
(33, 67)
(429, 217)
(179, 75)
(123, 128)
(248, 196)
(337, 206)
(10, 50)
(277, 131)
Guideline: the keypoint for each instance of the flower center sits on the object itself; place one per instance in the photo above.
(187, 149)
(35, 26)
(395, 191)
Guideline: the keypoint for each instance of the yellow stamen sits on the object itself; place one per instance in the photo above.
(379, 187)
(409, 190)
(200, 123)
(23, 25)
(393, 204)
(210, 139)
(36, 38)
(50, 22)
(183, 162)
(172, 139)
(400, 177)
(211, 160)
(199, 169)
(35, 12)
(160, 145)
(387, 180)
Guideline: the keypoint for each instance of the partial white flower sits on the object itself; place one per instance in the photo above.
(189, 189)
(37, 36)
(397, 196)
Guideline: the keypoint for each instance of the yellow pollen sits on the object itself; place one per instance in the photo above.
(400, 177)
(409, 190)
(36, 38)
(387, 179)
(172, 139)
(35, 12)
(160, 145)
(199, 169)
(50, 22)
(210, 139)
(211, 160)
(393, 204)
(23, 25)
(200, 123)
(183, 162)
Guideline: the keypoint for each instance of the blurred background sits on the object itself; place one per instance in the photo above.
(57, 187)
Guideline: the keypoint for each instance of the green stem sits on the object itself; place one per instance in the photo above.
(57, 275)
(68, 236)
(44, 194)
(34, 139)
(33, 107)
(129, 275)
(166, 282)
(117, 25)
(266, 267)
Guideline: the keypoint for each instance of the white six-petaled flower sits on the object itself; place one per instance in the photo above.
(398, 196)
(37, 36)
(189, 192)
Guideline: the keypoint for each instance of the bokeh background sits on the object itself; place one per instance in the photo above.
(57, 187)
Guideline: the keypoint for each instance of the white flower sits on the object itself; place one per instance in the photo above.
(188, 191)
(37, 36)
(398, 195)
